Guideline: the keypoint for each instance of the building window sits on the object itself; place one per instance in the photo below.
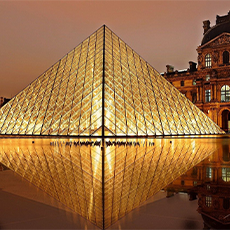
(207, 77)
(208, 201)
(225, 57)
(194, 98)
(208, 95)
(208, 61)
(226, 174)
(182, 83)
(225, 93)
(194, 171)
(194, 82)
(209, 172)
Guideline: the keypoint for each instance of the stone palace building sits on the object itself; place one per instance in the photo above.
(207, 84)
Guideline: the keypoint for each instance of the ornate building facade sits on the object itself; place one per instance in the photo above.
(207, 84)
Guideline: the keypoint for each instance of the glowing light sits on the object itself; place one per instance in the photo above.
(138, 100)
(107, 78)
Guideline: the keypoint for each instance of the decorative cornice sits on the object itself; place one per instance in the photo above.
(222, 39)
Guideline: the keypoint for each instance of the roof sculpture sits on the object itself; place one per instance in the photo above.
(102, 88)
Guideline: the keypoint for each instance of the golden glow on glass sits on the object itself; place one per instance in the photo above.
(102, 88)
(71, 97)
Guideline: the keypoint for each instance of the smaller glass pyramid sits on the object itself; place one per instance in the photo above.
(102, 88)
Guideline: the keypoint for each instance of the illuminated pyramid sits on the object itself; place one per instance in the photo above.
(103, 91)
(102, 88)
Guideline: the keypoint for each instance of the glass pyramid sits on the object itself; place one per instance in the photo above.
(102, 88)
(100, 102)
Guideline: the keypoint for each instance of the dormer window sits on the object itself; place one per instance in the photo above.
(208, 61)
(225, 57)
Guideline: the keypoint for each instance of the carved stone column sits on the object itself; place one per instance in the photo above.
(215, 92)
(198, 93)
(218, 93)
(212, 93)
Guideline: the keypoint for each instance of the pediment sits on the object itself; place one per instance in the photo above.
(222, 39)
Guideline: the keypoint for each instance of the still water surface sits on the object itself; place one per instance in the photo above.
(117, 174)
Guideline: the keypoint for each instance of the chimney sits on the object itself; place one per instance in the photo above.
(170, 68)
(206, 26)
(192, 66)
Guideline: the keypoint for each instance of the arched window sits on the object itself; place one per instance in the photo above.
(225, 93)
(225, 57)
(208, 61)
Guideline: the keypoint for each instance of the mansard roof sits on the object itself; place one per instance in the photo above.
(222, 26)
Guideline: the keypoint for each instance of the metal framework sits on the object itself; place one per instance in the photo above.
(102, 90)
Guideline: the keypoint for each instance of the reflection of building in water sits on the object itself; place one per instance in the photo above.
(208, 84)
(3, 101)
(210, 181)
(2, 167)
(213, 204)
(215, 168)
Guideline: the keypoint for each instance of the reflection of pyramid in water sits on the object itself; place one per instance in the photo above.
(102, 88)
(100, 190)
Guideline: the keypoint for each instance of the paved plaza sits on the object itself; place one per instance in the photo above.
(23, 206)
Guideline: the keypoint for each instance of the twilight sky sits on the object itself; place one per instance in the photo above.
(36, 34)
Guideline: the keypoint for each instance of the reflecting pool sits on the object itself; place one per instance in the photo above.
(209, 182)
(104, 179)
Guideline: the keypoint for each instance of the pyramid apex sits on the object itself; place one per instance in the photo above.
(105, 26)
